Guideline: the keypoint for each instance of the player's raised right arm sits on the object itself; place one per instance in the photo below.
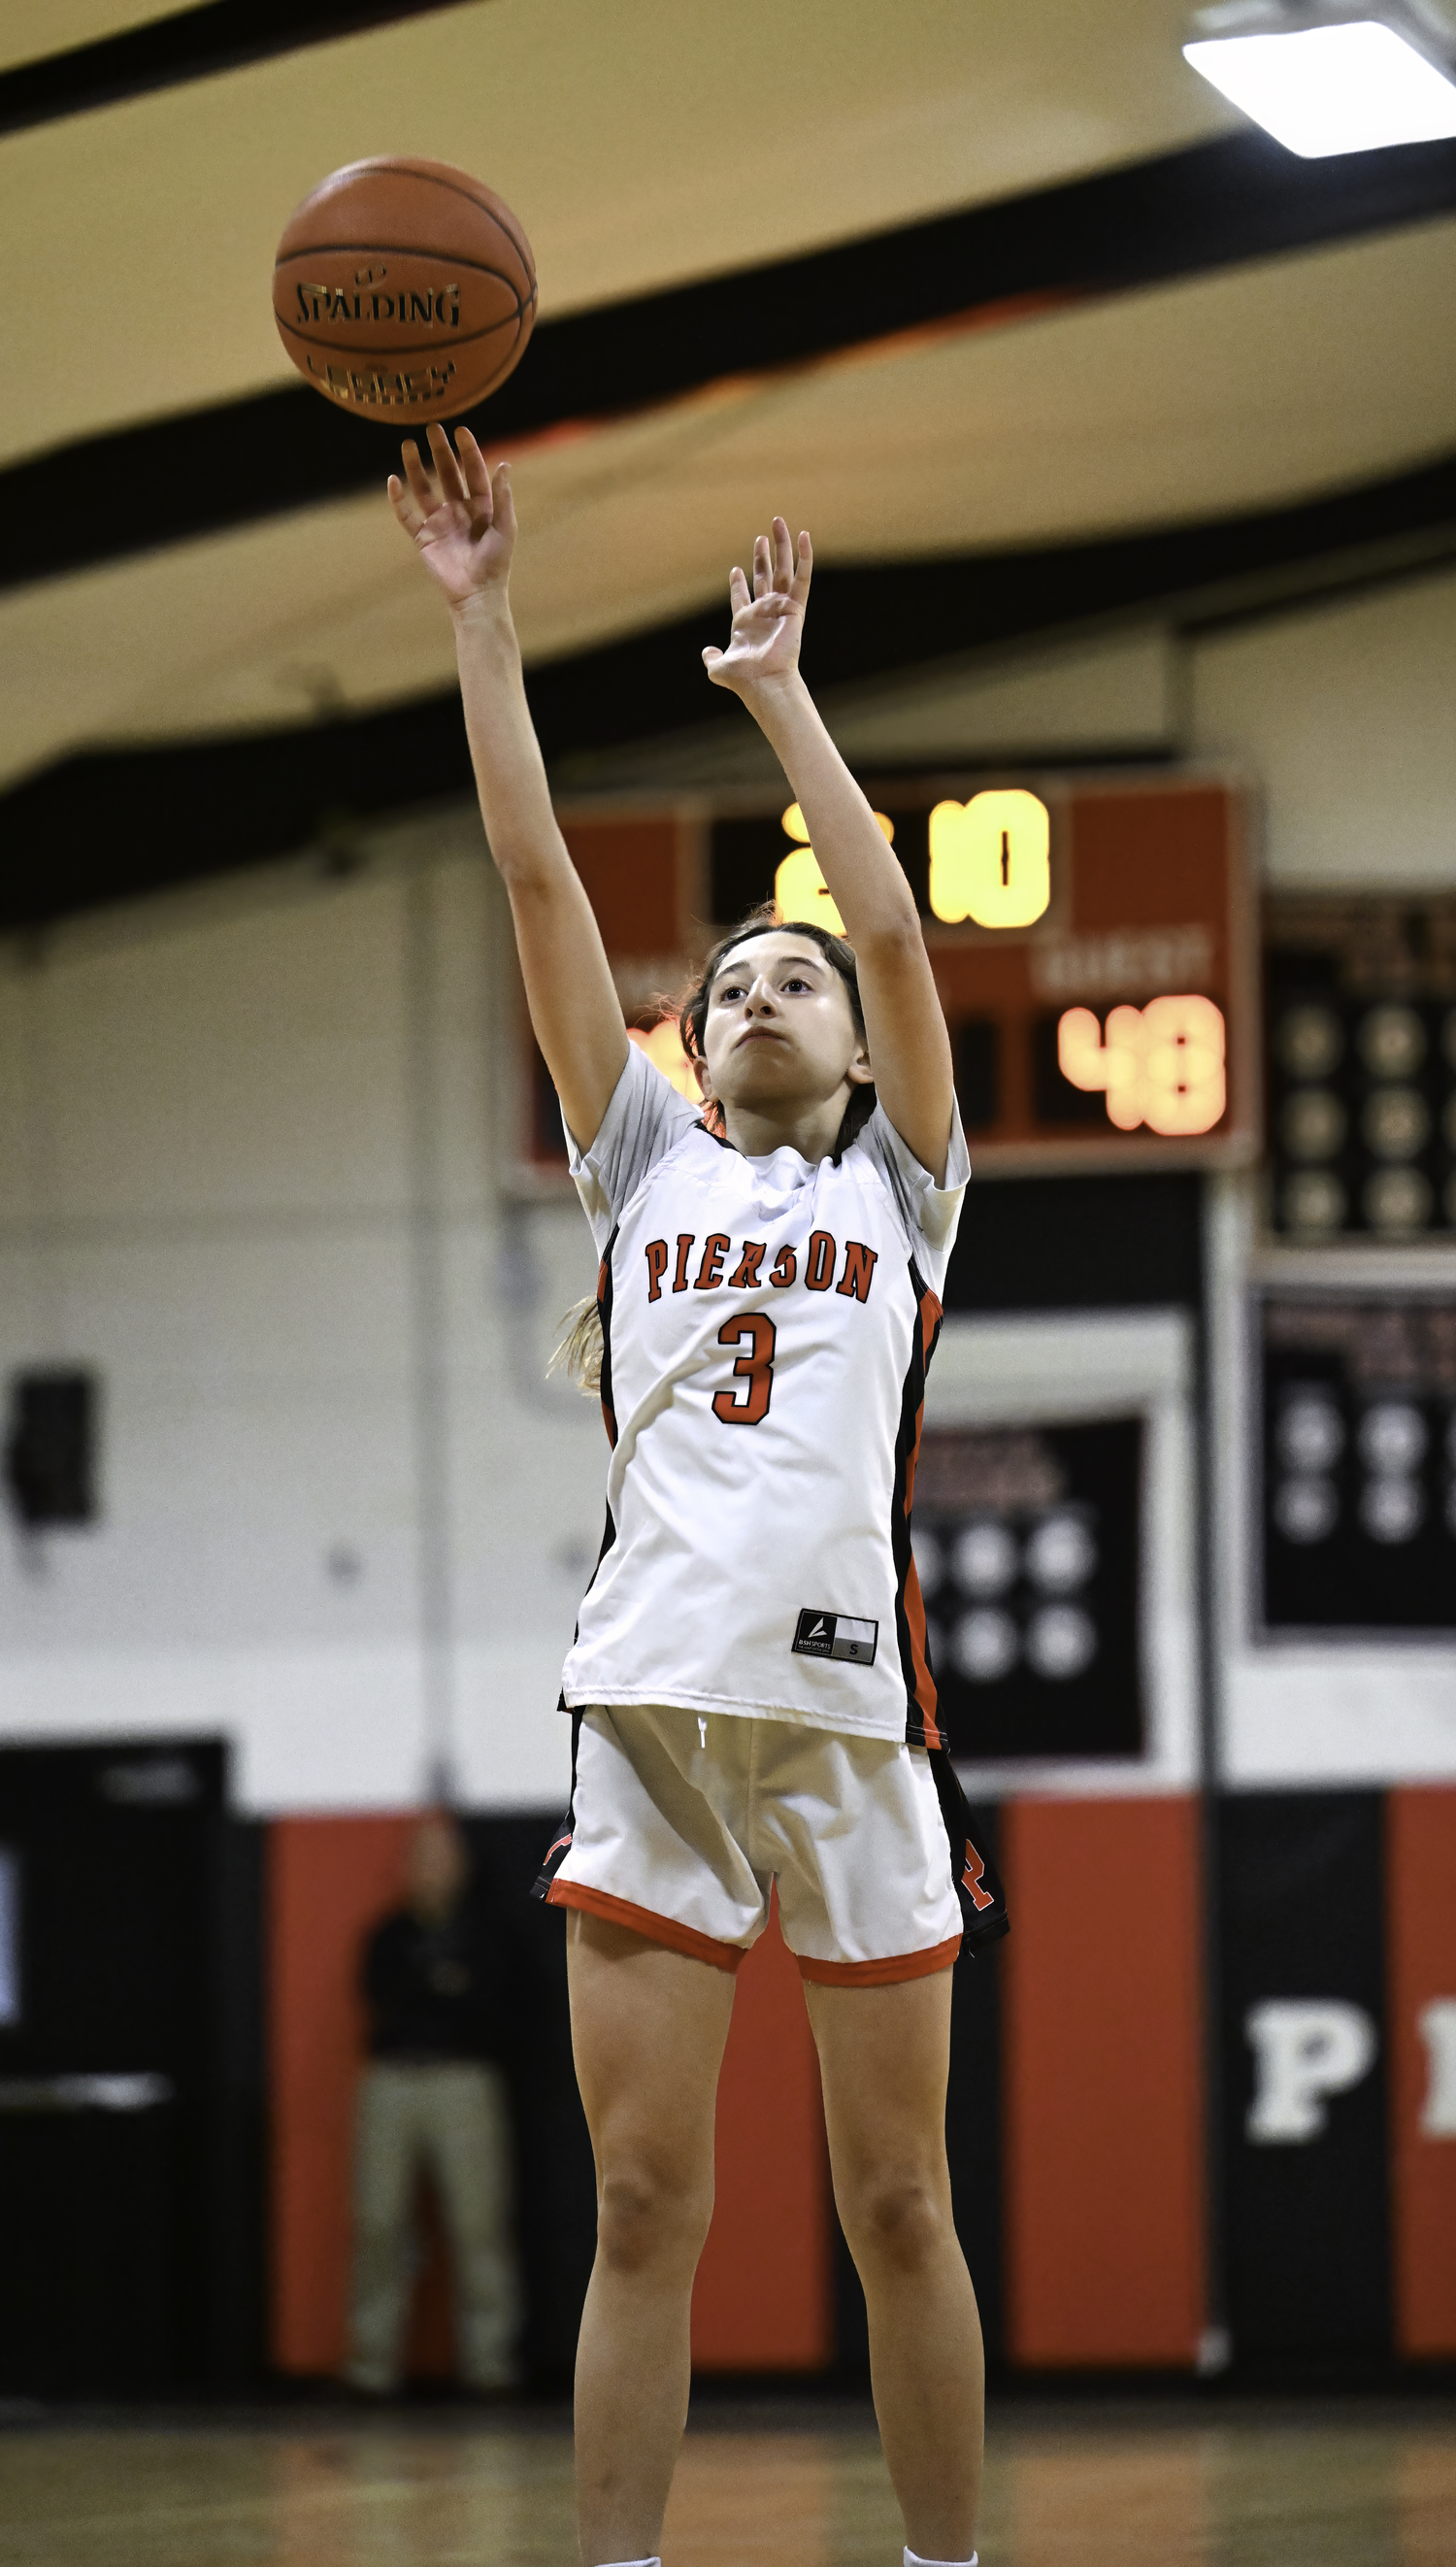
(465, 530)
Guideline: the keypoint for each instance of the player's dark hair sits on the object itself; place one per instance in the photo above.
(693, 1009)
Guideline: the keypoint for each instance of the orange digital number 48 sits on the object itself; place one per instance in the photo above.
(1162, 1064)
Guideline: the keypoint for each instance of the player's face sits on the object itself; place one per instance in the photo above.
(779, 1033)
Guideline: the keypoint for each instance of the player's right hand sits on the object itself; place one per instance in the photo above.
(460, 520)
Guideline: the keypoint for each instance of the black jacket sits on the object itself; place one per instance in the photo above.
(433, 1991)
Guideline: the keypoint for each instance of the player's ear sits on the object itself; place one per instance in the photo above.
(705, 1081)
(859, 1072)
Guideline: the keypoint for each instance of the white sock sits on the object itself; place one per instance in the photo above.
(633, 2563)
(912, 2561)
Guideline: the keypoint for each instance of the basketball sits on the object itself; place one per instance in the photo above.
(404, 288)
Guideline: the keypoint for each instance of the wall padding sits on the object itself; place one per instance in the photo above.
(1420, 1928)
(1104, 2083)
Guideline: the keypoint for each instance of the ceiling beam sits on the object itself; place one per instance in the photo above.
(185, 45)
(1216, 205)
(106, 825)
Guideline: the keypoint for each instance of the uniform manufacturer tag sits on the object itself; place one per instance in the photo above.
(835, 1635)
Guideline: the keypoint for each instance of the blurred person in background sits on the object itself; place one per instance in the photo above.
(434, 2099)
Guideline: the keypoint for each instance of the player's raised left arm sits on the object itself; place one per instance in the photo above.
(910, 1050)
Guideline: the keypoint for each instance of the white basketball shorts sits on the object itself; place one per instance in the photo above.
(683, 1823)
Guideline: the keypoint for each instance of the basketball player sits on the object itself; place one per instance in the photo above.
(749, 1678)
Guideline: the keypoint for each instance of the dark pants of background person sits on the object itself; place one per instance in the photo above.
(449, 2118)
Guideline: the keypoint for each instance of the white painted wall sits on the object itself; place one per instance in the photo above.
(246, 1170)
(1345, 715)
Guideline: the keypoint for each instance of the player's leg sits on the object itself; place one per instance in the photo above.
(647, 2027)
(884, 2055)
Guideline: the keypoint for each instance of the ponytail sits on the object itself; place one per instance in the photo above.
(579, 1349)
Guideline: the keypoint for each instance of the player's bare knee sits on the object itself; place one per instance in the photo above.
(895, 2220)
(647, 2218)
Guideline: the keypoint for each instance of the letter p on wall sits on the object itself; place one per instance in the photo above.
(1304, 2050)
(1436, 2024)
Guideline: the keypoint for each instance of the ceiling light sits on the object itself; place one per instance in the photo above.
(1332, 79)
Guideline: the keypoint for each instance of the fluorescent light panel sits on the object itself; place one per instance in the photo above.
(1355, 87)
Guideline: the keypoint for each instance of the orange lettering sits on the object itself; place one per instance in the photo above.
(819, 1264)
(755, 1370)
(710, 1273)
(859, 1267)
(744, 1276)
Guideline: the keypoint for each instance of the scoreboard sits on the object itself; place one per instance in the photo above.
(1092, 939)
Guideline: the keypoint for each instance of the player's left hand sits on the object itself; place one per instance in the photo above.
(768, 625)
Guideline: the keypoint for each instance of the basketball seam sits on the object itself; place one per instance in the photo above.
(429, 179)
(393, 355)
(396, 249)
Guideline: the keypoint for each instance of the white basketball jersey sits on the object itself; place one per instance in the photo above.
(766, 1328)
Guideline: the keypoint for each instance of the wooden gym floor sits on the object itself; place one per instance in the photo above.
(1108, 2486)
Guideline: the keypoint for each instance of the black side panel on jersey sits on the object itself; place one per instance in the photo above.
(604, 1309)
(974, 2127)
(977, 1882)
(920, 1727)
(608, 1419)
(609, 1413)
(560, 1845)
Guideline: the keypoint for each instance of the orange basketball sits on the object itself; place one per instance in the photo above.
(404, 288)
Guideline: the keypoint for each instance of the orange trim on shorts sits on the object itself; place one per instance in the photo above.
(880, 1974)
(647, 1922)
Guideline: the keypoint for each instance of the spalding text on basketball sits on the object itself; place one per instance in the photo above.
(320, 303)
(375, 389)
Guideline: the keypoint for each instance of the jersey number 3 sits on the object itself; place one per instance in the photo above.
(754, 1370)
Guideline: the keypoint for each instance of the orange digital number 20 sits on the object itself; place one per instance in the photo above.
(755, 1370)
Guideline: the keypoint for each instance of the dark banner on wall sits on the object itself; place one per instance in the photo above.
(1362, 1066)
(1304, 2086)
(1358, 1412)
(1026, 1549)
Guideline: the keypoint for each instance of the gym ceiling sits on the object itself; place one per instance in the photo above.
(997, 296)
